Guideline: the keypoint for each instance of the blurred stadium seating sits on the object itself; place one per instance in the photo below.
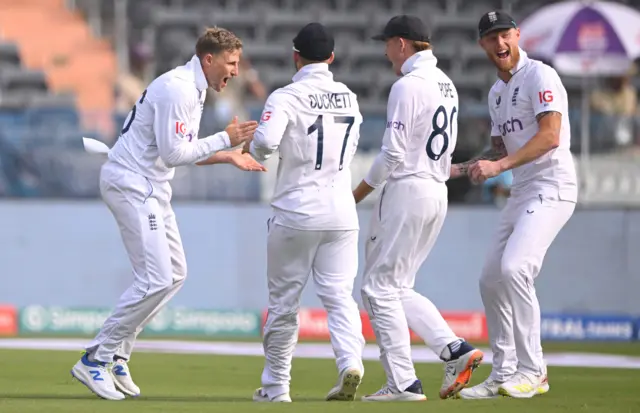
(41, 121)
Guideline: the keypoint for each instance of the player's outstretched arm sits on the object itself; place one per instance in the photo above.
(172, 125)
(394, 142)
(236, 158)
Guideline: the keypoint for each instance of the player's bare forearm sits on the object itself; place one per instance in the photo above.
(218, 157)
(496, 152)
(547, 139)
(362, 191)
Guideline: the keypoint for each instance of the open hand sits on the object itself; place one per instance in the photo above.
(245, 161)
(240, 132)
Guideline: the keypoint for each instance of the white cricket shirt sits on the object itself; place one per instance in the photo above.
(315, 123)
(534, 88)
(422, 124)
(161, 131)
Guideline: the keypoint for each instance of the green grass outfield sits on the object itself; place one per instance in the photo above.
(39, 381)
(619, 348)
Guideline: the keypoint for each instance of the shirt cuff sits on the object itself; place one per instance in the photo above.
(218, 142)
(225, 138)
(380, 170)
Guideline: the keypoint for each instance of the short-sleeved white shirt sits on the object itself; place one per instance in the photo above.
(534, 88)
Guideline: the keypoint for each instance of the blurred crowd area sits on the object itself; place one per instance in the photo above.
(81, 72)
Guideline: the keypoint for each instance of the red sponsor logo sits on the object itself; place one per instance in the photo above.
(468, 325)
(8, 320)
(471, 326)
(314, 325)
(265, 116)
(545, 97)
(181, 128)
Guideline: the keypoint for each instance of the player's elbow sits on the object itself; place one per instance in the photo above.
(170, 159)
(552, 139)
(393, 158)
(261, 153)
(262, 149)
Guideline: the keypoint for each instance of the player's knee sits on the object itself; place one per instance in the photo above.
(514, 267)
(329, 301)
(163, 285)
(487, 282)
(376, 289)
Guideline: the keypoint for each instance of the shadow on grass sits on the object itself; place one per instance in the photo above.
(142, 399)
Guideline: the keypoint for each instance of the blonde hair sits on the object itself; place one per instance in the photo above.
(216, 40)
(420, 46)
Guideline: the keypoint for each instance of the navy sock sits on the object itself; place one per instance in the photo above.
(415, 388)
(459, 348)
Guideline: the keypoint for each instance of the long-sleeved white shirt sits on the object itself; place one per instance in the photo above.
(161, 131)
(315, 124)
(422, 119)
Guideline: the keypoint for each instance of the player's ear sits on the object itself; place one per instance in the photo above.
(208, 59)
(403, 43)
(332, 58)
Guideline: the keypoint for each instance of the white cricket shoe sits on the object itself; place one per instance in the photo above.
(457, 373)
(488, 389)
(347, 386)
(523, 386)
(96, 376)
(544, 385)
(260, 396)
(413, 393)
(122, 378)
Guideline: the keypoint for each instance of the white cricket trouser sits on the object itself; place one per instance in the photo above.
(528, 225)
(404, 227)
(331, 258)
(150, 234)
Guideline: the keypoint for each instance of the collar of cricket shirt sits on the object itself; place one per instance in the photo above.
(313, 69)
(196, 66)
(522, 62)
(419, 60)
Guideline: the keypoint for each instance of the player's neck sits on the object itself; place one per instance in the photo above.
(506, 76)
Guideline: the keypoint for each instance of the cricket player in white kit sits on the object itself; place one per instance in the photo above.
(531, 136)
(315, 124)
(160, 133)
(415, 162)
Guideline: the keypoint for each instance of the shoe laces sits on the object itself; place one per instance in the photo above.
(383, 391)
(523, 377)
(489, 382)
(450, 367)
